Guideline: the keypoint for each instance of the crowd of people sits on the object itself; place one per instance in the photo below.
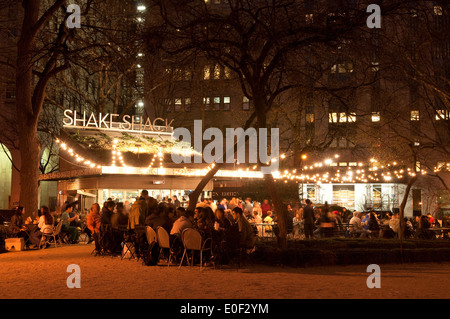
(324, 221)
(229, 223)
(226, 223)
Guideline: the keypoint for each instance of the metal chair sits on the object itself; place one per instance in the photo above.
(45, 236)
(164, 243)
(192, 240)
(151, 235)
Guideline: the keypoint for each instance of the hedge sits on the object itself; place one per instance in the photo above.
(352, 251)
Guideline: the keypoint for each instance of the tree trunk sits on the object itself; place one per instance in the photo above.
(401, 231)
(27, 119)
(193, 197)
(280, 209)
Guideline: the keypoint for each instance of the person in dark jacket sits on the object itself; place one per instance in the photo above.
(308, 219)
(373, 225)
(107, 212)
(17, 226)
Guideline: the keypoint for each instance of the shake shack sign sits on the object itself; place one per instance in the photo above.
(108, 121)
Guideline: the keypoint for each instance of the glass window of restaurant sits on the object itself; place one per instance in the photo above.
(122, 195)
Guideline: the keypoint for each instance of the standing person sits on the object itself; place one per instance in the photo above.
(308, 219)
(66, 220)
(248, 207)
(45, 225)
(233, 203)
(93, 222)
(265, 207)
(150, 203)
(223, 204)
(176, 202)
(107, 213)
(137, 213)
(212, 204)
(246, 234)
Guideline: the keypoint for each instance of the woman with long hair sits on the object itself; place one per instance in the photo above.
(45, 226)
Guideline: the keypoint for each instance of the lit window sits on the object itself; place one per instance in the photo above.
(437, 10)
(352, 164)
(352, 117)
(216, 72)
(141, 8)
(309, 18)
(342, 68)
(310, 118)
(375, 66)
(226, 73)
(168, 103)
(333, 117)
(206, 73)
(206, 103)
(376, 117)
(342, 163)
(415, 115)
(217, 103)
(226, 103)
(417, 166)
(342, 117)
(187, 104)
(178, 104)
(245, 103)
(442, 115)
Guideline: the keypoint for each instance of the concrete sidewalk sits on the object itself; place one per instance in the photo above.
(27, 274)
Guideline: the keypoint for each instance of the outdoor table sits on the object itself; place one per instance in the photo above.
(439, 231)
(264, 227)
(30, 229)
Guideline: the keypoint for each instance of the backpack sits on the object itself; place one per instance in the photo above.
(151, 256)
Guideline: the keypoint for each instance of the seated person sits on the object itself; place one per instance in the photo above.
(356, 226)
(185, 220)
(424, 228)
(66, 220)
(268, 220)
(394, 224)
(17, 226)
(45, 226)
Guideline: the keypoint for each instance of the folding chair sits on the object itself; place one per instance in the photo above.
(151, 235)
(83, 234)
(129, 245)
(164, 243)
(192, 240)
(45, 236)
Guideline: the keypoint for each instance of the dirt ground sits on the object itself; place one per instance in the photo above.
(27, 274)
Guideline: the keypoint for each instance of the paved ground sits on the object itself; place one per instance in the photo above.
(43, 274)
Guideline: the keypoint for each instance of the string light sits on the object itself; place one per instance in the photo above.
(78, 158)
